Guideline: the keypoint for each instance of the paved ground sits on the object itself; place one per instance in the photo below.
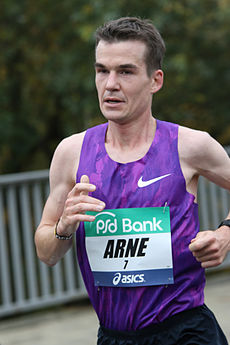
(77, 325)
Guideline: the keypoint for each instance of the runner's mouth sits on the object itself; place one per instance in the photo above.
(113, 101)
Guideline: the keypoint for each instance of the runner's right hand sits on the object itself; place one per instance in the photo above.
(78, 202)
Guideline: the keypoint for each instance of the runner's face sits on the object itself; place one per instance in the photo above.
(124, 88)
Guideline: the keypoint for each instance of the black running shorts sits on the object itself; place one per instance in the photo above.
(197, 326)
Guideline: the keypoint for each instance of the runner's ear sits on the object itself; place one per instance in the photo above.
(157, 80)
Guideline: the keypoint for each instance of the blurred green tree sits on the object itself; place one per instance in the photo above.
(47, 78)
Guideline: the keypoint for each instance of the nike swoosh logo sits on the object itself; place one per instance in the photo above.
(142, 183)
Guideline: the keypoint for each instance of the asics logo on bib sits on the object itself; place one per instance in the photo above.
(128, 278)
(110, 225)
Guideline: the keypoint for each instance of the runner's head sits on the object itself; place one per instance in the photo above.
(135, 29)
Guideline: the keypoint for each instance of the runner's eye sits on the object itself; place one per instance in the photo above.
(126, 72)
(101, 71)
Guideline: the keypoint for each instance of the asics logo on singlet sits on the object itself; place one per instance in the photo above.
(142, 183)
(128, 278)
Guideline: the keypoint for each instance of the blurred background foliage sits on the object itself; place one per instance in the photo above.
(47, 89)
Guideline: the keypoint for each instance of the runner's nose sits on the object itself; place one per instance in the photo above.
(112, 82)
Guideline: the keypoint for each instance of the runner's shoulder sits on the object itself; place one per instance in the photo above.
(193, 142)
(67, 155)
(69, 146)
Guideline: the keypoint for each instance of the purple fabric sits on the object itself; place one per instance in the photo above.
(138, 307)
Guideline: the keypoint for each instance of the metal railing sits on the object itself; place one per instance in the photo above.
(25, 282)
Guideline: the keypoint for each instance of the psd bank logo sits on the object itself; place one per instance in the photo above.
(128, 278)
(115, 222)
(105, 224)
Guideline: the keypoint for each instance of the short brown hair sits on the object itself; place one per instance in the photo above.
(132, 28)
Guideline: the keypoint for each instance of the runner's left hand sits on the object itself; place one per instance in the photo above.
(211, 247)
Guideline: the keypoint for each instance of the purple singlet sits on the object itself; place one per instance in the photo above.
(132, 308)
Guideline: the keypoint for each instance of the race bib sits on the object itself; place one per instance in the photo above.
(130, 247)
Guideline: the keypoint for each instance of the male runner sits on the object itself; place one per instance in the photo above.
(140, 251)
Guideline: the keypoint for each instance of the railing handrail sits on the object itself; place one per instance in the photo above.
(24, 177)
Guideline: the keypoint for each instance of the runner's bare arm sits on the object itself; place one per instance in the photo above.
(207, 157)
(67, 201)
